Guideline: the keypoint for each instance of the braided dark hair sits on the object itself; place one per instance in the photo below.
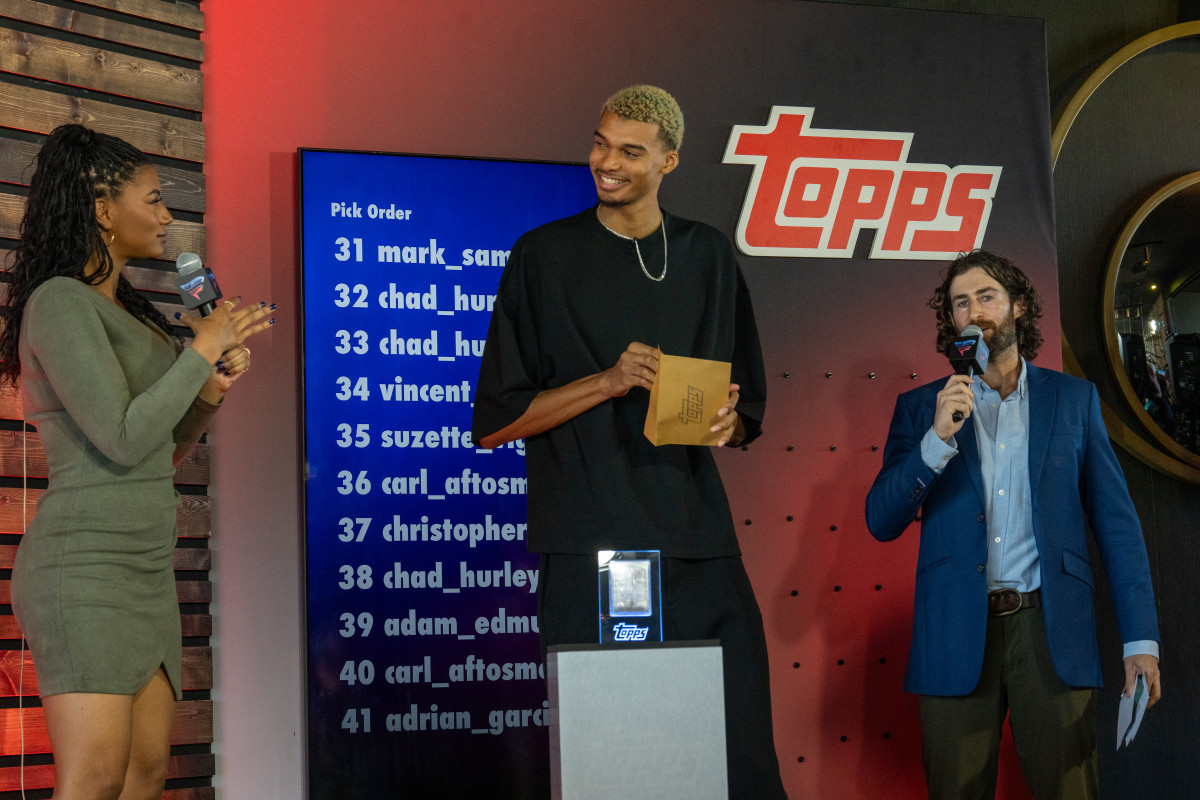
(60, 233)
(1015, 282)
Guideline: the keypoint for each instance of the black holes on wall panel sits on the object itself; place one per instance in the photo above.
(870, 375)
(849, 592)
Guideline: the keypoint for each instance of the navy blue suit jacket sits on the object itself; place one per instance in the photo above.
(1075, 481)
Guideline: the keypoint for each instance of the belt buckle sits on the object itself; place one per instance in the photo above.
(1003, 598)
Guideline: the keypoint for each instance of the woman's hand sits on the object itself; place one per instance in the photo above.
(227, 327)
(228, 369)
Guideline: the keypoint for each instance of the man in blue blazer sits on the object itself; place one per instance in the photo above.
(1007, 470)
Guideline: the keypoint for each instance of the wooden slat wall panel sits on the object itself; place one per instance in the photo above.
(194, 793)
(193, 725)
(192, 520)
(165, 306)
(148, 279)
(73, 64)
(196, 674)
(194, 626)
(15, 514)
(182, 237)
(180, 15)
(197, 625)
(155, 280)
(104, 28)
(168, 310)
(130, 68)
(41, 111)
(42, 776)
(191, 559)
(16, 161)
(183, 189)
(20, 451)
(184, 559)
(187, 591)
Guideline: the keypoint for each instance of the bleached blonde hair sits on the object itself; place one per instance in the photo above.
(644, 103)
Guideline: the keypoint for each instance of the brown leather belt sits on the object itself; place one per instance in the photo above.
(1003, 602)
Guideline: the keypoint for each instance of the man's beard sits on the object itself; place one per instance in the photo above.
(1004, 335)
(613, 203)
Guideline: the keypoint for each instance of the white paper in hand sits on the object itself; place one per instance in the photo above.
(1131, 711)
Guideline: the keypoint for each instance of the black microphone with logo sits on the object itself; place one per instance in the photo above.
(969, 357)
(196, 285)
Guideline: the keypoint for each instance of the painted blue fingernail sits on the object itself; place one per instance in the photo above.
(273, 307)
(178, 315)
(272, 322)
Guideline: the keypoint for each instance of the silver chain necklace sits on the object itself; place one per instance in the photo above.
(662, 224)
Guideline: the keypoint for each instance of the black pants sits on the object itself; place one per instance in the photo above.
(702, 599)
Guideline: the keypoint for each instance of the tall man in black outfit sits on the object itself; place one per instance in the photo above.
(571, 355)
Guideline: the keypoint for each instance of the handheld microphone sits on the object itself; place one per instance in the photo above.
(969, 357)
(196, 284)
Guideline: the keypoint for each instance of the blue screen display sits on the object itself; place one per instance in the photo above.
(425, 672)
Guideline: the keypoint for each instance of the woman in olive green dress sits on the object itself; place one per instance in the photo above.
(117, 403)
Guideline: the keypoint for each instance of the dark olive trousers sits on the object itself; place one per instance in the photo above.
(1053, 725)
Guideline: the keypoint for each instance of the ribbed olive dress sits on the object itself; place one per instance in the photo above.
(113, 400)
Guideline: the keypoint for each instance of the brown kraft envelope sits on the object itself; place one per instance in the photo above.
(684, 400)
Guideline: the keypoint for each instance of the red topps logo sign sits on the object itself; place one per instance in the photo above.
(814, 190)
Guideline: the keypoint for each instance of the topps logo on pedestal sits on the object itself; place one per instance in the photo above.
(814, 190)
(624, 632)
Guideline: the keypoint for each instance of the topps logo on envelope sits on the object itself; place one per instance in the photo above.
(685, 399)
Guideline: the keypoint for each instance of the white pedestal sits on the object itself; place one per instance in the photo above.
(637, 722)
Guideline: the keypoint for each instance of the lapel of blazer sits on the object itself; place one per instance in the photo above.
(1043, 399)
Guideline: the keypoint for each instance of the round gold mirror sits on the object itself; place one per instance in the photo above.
(1152, 333)
(1158, 445)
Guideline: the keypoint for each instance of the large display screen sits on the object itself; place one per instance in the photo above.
(425, 675)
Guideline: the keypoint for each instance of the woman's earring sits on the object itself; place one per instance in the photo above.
(112, 239)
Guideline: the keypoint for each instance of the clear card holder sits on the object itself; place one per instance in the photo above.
(630, 596)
